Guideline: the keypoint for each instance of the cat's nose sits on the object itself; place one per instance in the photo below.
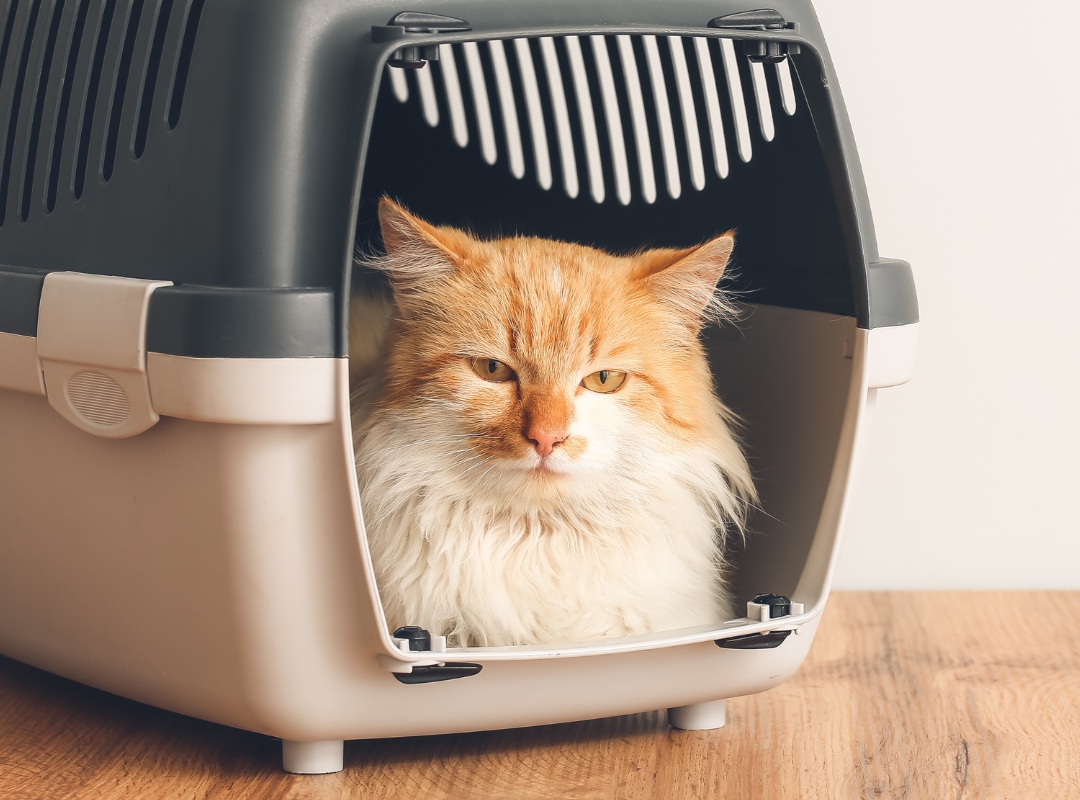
(546, 420)
(545, 441)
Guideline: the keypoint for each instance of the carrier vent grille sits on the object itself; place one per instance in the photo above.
(83, 85)
(610, 115)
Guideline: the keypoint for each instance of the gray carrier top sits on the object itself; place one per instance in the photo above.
(237, 150)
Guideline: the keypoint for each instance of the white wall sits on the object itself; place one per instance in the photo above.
(965, 114)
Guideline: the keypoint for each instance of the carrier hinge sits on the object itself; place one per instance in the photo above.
(414, 639)
(763, 19)
(411, 23)
(763, 608)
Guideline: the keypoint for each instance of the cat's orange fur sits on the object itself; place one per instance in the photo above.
(538, 473)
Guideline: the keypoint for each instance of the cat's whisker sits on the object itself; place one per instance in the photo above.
(450, 437)
(756, 507)
(455, 467)
(488, 471)
(446, 436)
(441, 400)
(480, 461)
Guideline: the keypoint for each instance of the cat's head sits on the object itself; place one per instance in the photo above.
(544, 363)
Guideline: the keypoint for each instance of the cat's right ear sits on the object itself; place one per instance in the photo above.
(418, 254)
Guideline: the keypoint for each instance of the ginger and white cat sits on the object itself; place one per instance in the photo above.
(540, 454)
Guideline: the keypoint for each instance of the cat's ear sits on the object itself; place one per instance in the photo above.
(686, 279)
(419, 254)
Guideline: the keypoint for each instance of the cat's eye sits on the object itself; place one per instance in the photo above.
(491, 370)
(605, 381)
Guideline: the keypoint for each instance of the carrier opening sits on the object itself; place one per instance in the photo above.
(626, 142)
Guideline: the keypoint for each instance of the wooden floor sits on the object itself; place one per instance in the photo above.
(904, 695)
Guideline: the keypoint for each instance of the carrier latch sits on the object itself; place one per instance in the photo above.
(763, 608)
(763, 19)
(91, 342)
(416, 22)
(414, 639)
(768, 606)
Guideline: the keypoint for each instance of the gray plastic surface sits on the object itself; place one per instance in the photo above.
(891, 287)
(20, 293)
(205, 322)
(224, 145)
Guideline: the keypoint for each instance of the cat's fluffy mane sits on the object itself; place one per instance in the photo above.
(623, 534)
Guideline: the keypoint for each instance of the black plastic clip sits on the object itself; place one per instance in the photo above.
(761, 51)
(419, 640)
(754, 641)
(416, 22)
(437, 672)
(779, 606)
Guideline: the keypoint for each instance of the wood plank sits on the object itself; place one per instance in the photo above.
(917, 695)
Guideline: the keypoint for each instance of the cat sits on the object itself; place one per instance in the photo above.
(540, 455)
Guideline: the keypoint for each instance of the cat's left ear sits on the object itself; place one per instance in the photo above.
(686, 279)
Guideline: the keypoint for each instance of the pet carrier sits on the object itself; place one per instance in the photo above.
(182, 186)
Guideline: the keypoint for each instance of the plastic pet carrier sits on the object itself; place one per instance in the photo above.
(182, 186)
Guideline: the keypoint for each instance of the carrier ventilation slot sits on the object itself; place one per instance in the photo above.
(83, 84)
(612, 116)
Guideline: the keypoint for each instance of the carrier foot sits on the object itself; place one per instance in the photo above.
(698, 716)
(312, 758)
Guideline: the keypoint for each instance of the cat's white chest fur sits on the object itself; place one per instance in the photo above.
(474, 555)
